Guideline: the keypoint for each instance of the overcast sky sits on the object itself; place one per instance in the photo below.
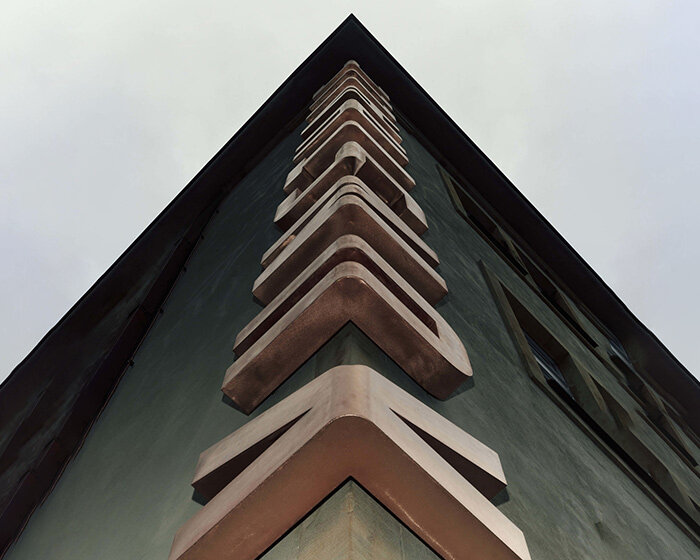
(107, 109)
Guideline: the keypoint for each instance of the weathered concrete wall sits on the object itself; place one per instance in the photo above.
(350, 525)
(127, 491)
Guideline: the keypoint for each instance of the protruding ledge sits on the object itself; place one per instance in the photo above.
(307, 170)
(353, 81)
(353, 159)
(350, 110)
(349, 282)
(351, 70)
(351, 66)
(343, 215)
(351, 93)
(345, 248)
(343, 95)
(433, 476)
(352, 185)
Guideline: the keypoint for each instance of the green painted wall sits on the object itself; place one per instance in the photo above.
(127, 491)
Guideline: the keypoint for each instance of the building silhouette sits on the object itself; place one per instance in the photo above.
(422, 367)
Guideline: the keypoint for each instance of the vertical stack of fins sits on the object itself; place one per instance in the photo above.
(351, 251)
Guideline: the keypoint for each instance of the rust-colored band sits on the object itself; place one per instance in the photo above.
(351, 79)
(352, 159)
(350, 93)
(350, 214)
(351, 66)
(350, 184)
(341, 79)
(345, 248)
(351, 110)
(320, 301)
(349, 423)
(307, 170)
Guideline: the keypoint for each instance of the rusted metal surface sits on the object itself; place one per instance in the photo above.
(320, 301)
(350, 110)
(349, 214)
(349, 423)
(307, 170)
(353, 159)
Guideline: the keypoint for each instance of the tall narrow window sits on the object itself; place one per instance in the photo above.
(475, 215)
(557, 299)
(549, 367)
(594, 407)
(619, 350)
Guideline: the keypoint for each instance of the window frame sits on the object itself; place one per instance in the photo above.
(559, 302)
(591, 409)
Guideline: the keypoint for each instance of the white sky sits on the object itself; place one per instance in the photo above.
(107, 109)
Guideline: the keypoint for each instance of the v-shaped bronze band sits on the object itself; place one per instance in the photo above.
(349, 423)
(350, 214)
(352, 159)
(351, 68)
(350, 110)
(343, 95)
(310, 168)
(354, 77)
(351, 184)
(354, 80)
(345, 248)
(331, 292)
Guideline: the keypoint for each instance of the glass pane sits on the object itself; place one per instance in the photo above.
(549, 367)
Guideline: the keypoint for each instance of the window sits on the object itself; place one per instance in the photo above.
(618, 350)
(549, 367)
(557, 299)
(656, 411)
(591, 405)
(480, 220)
(653, 408)
(489, 229)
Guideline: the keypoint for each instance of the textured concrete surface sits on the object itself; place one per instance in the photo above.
(127, 491)
(350, 525)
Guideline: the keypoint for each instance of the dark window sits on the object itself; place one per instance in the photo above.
(474, 214)
(619, 350)
(549, 367)
(555, 297)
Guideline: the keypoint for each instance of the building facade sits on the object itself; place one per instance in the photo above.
(423, 367)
